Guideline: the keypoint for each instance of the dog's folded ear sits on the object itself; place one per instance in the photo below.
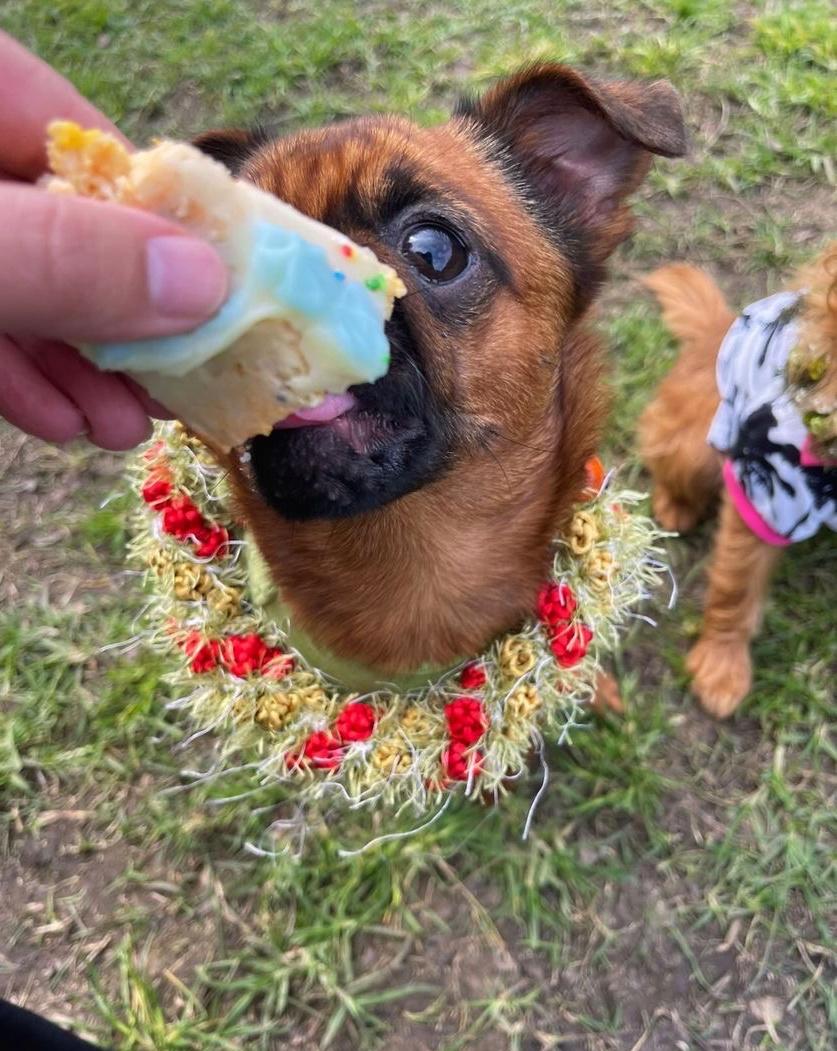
(581, 146)
(231, 146)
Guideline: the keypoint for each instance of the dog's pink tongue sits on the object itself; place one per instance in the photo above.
(332, 406)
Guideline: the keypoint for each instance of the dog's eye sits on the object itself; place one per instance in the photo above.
(438, 254)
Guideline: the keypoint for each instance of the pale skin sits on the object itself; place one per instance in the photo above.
(76, 271)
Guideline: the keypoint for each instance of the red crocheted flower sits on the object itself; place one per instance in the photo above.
(356, 722)
(467, 719)
(277, 664)
(204, 653)
(211, 540)
(322, 750)
(458, 765)
(556, 603)
(157, 491)
(595, 475)
(570, 644)
(181, 518)
(473, 676)
(245, 654)
(153, 451)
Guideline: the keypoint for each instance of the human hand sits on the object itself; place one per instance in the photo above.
(76, 270)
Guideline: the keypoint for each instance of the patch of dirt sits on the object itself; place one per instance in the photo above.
(53, 900)
(799, 210)
(44, 492)
(462, 956)
(69, 903)
(63, 907)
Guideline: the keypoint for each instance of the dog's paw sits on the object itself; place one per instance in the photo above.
(674, 515)
(608, 696)
(721, 674)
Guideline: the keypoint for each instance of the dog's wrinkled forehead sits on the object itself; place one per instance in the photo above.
(360, 171)
(539, 168)
(361, 176)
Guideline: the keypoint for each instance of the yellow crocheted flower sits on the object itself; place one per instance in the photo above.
(224, 600)
(805, 366)
(416, 723)
(517, 656)
(390, 758)
(191, 582)
(583, 533)
(180, 436)
(601, 568)
(523, 703)
(159, 560)
(817, 369)
(519, 709)
(275, 709)
(311, 696)
(242, 711)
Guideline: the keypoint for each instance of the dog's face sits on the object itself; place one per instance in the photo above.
(499, 223)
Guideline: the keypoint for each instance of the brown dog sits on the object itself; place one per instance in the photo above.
(688, 471)
(415, 528)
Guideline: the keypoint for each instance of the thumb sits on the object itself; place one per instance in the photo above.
(85, 271)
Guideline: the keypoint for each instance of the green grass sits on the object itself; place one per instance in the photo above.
(678, 875)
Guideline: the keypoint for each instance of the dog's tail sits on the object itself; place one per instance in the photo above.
(692, 304)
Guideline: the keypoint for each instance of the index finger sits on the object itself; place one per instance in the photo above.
(31, 95)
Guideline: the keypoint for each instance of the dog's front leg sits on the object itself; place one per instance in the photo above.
(719, 663)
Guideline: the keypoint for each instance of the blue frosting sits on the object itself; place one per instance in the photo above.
(286, 269)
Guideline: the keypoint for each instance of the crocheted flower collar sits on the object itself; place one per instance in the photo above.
(470, 729)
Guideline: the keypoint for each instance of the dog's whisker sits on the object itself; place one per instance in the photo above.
(418, 372)
(499, 463)
(497, 433)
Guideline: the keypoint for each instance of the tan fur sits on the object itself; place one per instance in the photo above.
(686, 471)
(673, 429)
(719, 663)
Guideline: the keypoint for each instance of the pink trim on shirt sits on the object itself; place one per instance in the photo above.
(808, 458)
(752, 519)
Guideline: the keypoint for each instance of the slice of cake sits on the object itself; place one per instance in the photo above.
(306, 309)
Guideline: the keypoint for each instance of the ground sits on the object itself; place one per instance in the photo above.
(679, 889)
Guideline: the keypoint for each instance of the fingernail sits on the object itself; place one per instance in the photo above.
(186, 278)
